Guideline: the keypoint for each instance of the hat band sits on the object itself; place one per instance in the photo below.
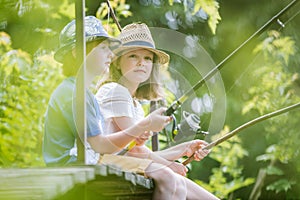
(139, 43)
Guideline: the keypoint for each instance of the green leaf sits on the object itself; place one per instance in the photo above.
(272, 170)
(280, 185)
(210, 7)
(265, 157)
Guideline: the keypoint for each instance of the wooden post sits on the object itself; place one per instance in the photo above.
(80, 101)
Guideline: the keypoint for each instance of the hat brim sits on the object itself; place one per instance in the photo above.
(62, 51)
(163, 57)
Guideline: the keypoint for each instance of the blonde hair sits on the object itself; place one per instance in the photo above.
(151, 89)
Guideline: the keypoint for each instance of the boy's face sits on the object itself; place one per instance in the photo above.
(99, 59)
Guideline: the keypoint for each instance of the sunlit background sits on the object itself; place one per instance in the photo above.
(259, 78)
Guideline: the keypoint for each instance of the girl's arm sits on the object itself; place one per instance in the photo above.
(112, 143)
(185, 149)
(144, 152)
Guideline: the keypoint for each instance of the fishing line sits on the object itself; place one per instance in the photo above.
(282, 25)
(108, 15)
(290, 19)
(113, 15)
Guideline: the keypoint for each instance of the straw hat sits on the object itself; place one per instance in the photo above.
(138, 35)
(93, 31)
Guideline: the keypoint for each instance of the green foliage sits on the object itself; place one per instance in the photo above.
(276, 89)
(281, 185)
(66, 9)
(228, 176)
(121, 10)
(210, 7)
(25, 90)
(277, 47)
(271, 170)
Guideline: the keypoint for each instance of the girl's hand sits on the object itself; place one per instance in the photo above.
(196, 147)
(178, 168)
(156, 120)
(201, 153)
(143, 138)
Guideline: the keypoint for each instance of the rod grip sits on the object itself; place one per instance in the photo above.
(172, 108)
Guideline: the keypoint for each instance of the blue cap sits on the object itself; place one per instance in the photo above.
(93, 31)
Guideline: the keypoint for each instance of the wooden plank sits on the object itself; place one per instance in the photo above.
(80, 174)
(83, 182)
(42, 183)
(17, 195)
(112, 183)
(116, 187)
(45, 187)
(135, 179)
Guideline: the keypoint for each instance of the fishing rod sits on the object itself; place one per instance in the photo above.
(177, 103)
(242, 127)
(113, 15)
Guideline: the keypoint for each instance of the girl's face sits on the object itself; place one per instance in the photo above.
(136, 66)
(99, 59)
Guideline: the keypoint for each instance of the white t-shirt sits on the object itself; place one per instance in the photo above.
(115, 100)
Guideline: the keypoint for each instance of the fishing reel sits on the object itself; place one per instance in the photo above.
(188, 127)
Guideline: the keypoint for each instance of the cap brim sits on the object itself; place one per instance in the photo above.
(163, 57)
(61, 52)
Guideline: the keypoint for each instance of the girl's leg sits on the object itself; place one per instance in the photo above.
(194, 191)
(168, 185)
